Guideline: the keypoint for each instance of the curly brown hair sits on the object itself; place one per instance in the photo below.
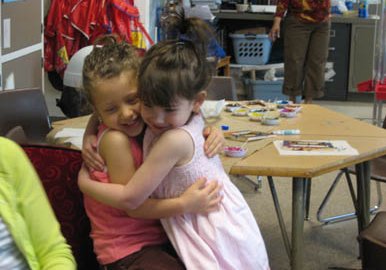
(108, 59)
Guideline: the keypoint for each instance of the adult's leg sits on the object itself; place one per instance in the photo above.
(296, 38)
(316, 59)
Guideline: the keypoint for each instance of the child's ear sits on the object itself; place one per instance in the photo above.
(200, 98)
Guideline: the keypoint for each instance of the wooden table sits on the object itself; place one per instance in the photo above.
(316, 123)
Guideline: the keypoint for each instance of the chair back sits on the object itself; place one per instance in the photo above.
(17, 134)
(25, 108)
(222, 87)
(58, 169)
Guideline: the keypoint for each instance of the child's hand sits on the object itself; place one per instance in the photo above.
(90, 155)
(214, 142)
(202, 197)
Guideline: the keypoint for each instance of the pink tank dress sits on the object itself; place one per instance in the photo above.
(116, 235)
(224, 240)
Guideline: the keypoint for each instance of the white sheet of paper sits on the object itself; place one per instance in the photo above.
(76, 141)
(73, 135)
(70, 132)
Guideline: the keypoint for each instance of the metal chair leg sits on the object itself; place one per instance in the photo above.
(257, 185)
(346, 216)
(287, 243)
(327, 197)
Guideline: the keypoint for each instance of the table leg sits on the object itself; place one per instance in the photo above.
(363, 197)
(297, 251)
(307, 195)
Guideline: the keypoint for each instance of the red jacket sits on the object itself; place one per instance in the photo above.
(72, 24)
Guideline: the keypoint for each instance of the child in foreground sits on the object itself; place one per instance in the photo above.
(110, 80)
(172, 78)
(30, 234)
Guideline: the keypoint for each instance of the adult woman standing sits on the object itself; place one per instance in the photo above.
(306, 38)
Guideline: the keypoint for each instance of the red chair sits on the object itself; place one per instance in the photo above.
(58, 169)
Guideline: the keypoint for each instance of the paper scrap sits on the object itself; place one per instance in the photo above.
(212, 108)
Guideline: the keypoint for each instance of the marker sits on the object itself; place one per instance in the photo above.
(286, 132)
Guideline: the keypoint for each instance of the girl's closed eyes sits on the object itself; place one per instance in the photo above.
(132, 98)
(170, 110)
(110, 110)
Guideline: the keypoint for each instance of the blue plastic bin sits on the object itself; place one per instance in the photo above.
(266, 90)
(251, 49)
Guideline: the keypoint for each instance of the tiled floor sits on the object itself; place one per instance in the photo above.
(361, 110)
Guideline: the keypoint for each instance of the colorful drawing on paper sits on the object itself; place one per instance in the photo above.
(308, 145)
(315, 148)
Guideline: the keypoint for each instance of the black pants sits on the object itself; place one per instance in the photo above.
(162, 257)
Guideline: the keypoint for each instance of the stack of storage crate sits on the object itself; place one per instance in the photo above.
(255, 49)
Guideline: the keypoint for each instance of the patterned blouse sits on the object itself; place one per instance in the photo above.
(311, 11)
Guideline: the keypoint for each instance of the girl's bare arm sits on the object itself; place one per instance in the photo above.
(199, 198)
(214, 143)
(170, 149)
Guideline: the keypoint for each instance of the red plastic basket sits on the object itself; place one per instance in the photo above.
(380, 88)
(366, 86)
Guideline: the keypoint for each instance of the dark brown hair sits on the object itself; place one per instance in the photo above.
(177, 67)
(170, 70)
(177, 27)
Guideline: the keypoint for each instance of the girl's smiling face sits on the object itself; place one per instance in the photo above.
(160, 119)
(116, 102)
